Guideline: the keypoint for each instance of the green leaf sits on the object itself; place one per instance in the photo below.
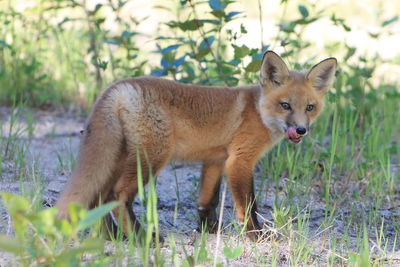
(189, 261)
(44, 220)
(170, 48)
(218, 13)
(97, 8)
(11, 244)
(234, 62)
(189, 25)
(346, 28)
(64, 21)
(65, 227)
(96, 214)
(112, 42)
(243, 29)
(15, 203)
(230, 15)
(303, 11)
(287, 27)
(212, 21)
(390, 21)
(75, 212)
(352, 258)
(3, 44)
(102, 64)
(374, 35)
(126, 35)
(253, 66)
(87, 246)
(233, 254)
(241, 51)
(207, 42)
(350, 52)
(203, 255)
(215, 4)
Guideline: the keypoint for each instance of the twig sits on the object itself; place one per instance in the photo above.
(93, 46)
(221, 213)
(261, 25)
(203, 35)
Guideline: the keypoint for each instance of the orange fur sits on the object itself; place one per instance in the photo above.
(228, 129)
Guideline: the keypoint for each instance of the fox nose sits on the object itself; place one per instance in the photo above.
(301, 130)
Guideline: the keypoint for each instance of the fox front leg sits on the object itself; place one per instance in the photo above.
(239, 170)
(209, 195)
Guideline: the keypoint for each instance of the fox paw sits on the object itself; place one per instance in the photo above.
(209, 226)
(259, 235)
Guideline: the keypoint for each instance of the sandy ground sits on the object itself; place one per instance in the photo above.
(52, 148)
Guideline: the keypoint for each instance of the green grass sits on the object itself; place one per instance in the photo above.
(333, 200)
(345, 167)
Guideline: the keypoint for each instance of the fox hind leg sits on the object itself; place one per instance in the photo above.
(127, 187)
(98, 155)
(147, 133)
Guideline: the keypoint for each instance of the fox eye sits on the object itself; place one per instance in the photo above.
(286, 106)
(310, 107)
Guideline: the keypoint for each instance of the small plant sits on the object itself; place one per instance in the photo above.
(362, 259)
(42, 239)
(282, 216)
(232, 253)
(199, 255)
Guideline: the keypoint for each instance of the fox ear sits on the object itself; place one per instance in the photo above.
(321, 75)
(273, 70)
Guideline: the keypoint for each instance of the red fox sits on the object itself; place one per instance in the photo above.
(227, 129)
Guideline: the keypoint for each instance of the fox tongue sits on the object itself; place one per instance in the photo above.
(291, 133)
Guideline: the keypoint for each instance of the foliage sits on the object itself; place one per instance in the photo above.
(200, 49)
(75, 55)
(41, 238)
(65, 60)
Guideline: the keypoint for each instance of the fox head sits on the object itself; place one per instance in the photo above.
(290, 100)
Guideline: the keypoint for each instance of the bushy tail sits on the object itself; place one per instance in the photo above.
(98, 154)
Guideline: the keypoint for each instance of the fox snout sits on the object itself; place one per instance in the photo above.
(296, 133)
(301, 130)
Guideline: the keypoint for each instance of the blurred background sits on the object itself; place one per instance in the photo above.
(64, 53)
